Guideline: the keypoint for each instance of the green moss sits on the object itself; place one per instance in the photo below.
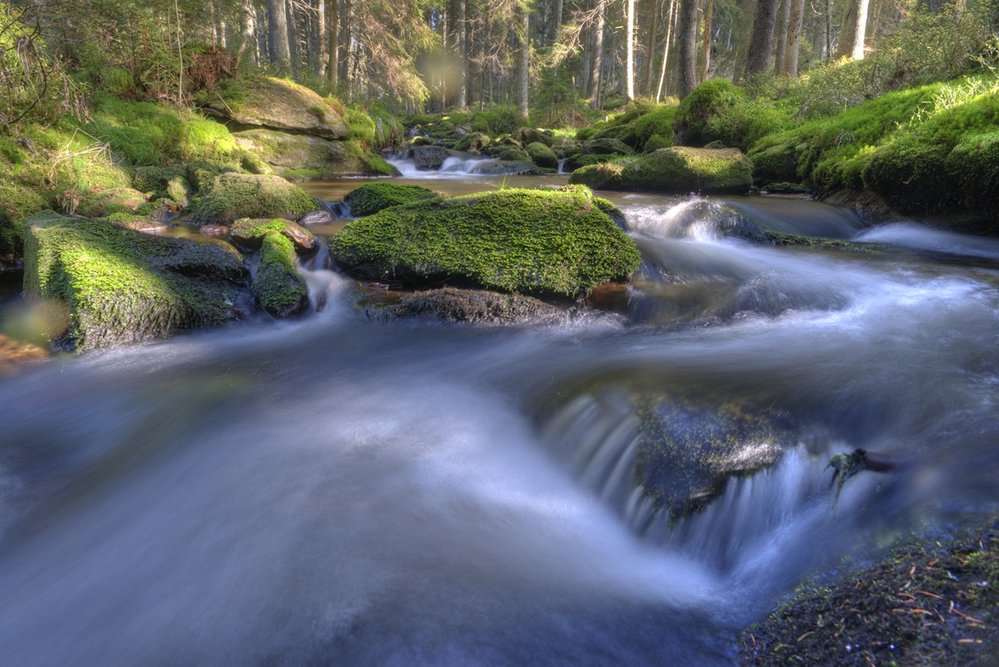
(122, 286)
(542, 155)
(373, 197)
(250, 232)
(17, 203)
(277, 286)
(230, 196)
(676, 169)
(717, 110)
(541, 241)
(111, 200)
(362, 127)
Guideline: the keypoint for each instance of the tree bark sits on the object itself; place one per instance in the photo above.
(851, 43)
(783, 21)
(687, 38)
(762, 42)
(598, 55)
(462, 28)
(524, 74)
(333, 43)
(706, 57)
(293, 42)
(247, 31)
(790, 64)
(629, 69)
(277, 18)
(670, 21)
(650, 46)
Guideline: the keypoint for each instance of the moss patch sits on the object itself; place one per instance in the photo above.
(284, 105)
(542, 155)
(676, 169)
(250, 232)
(230, 196)
(122, 286)
(373, 197)
(540, 241)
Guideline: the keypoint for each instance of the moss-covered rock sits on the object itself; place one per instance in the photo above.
(475, 142)
(122, 286)
(536, 241)
(676, 169)
(249, 233)
(17, 203)
(283, 105)
(231, 196)
(302, 157)
(428, 157)
(373, 197)
(277, 286)
(530, 135)
(542, 155)
(112, 200)
(472, 306)
(699, 114)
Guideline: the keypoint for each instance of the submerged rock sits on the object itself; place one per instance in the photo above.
(230, 196)
(534, 241)
(373, 197)
(473, 306)
(122, 286)
(677, 169)
(283, 105)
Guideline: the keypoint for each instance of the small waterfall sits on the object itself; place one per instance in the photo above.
(561, 165)
(324, 284)
(696, 219)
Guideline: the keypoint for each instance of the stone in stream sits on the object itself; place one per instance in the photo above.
(321, 217)
(373, 197)
(277, 286)
(473, 306)
(556, 243)
(676, 169)
(428, 158)
(121, 286)
(231, 196)
(249, 233)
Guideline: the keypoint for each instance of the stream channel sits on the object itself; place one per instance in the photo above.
(345, 490)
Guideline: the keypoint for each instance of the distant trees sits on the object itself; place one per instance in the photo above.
(444, 54)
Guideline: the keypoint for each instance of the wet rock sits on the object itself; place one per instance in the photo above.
(321, 217)
(123, 286)
(277, 285)
(428, 158)
(250, 232)
(474, 306)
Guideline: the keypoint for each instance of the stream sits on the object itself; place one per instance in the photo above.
(342, 490)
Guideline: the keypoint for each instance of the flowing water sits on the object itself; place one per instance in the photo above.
(338, 490)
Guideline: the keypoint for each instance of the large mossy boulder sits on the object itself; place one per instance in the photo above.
(122, 286)
(702, 114)
(249, 233)
(230, 196)
(542, 155)
(302, 157)
(280, 104)
(547, 242)
(17, 203)
(373, 197)
(677, 169)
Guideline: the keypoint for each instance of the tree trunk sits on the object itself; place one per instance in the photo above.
(278, 34)
(687, 38)
(851, 43)
(762, 42)
(345, 27)
(783, 21)
(706, 59)
(790, 64)
(598, 55)
(462, 28)
(293, 43)
(650, 47)
(629, 69)
(525, 60)
(333, 43)
(670, 22)
(247, 32)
